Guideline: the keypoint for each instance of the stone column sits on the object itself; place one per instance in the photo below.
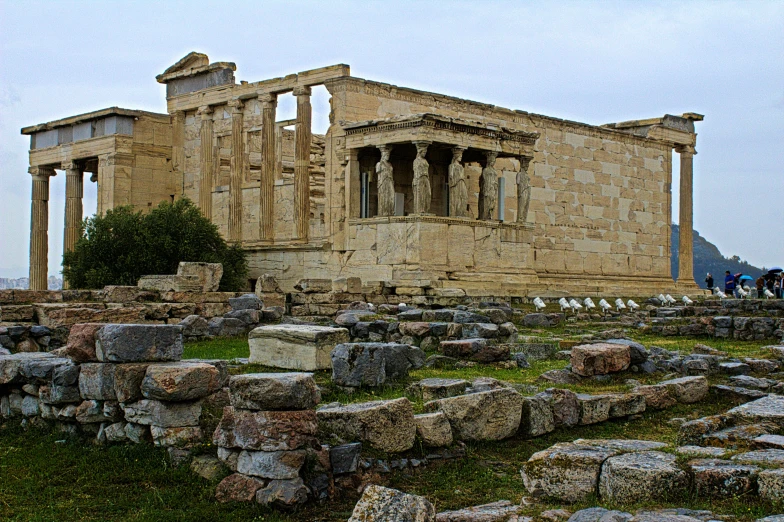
(206, 165)
(269, 103)
(74, 191)
(423, 192)
(686, 221)
(353, 188)
(488, 196)
(39, 228)
(237, 174)
(523, 190)
(458, 190)
(385, 179)
(302, 165)
(178, 145)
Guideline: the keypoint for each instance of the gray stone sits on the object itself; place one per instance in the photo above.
(536, 320)
(537, 351)
(59, 394)
(249, 317)
(373, 364)
(560, 377)
(537, 415)
(766, 409)
(178, 437)
(700, 451)
(30, 406)
(138, 343)
(283, 493)
(246, 302)
(96, 381)
(434, 429)
(137, 433)
(115, 432)
(238, 488)
(66, 375)
(464, 317)
(771, 485)
(687, 390)
(637, 477)
(345, 458)
(599, 514)
(501, 511)
(274, 391)
(735, 368)
(483, 330)
(767, 457)
(521, 360)
(163, 414)
(593, 408)
(226, 327)
(208, 467)
(385, 425)
(566, 407)
(195, 326)
(637, 351)
(382, 504)
(626, 404)
(180, 381)
(436, 388)
(490, 415)
(279, 465)
(715, 478)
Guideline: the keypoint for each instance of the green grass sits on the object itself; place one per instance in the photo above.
(42, 479)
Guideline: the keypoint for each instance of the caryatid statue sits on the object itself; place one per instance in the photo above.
(489, 187)
(422, 191)
(386, 183)
(523, 190)
(458, 191)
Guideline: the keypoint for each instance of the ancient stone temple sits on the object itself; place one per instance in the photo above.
(423, 192)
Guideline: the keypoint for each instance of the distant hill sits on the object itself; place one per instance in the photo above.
(707, 258)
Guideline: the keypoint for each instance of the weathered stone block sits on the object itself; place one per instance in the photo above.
(283, 493)
(238, 488)
(274, 391)
(687, 390)
(296, 347)
(265, 430)
(385, 425)
(537, 415)
(490, 415)
(380, 503)
(138, 343)
(637, 477)
(209, 274)
(723, 478)
(345, 458)
(163, 414)
(600, 359)
(657, 396)
(566, 407)
(626, 404)
(593, 408)
(436, 388)
(180, 381)
(373, 364)
(128, 379)
(434, 429)
(178, 437)
(271, 464)
(771, 485)
(768, 409)
(480, 350)
(96, 381)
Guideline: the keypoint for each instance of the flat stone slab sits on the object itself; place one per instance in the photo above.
(500, 511)
(488, 415)
(138, 343)
(635, 477)
(11, 365)
(717, 478)
(768, 457)
(687, 390)
(766, 409)
(600, 359)
(437, 388)
(295, 347)
(701, 451)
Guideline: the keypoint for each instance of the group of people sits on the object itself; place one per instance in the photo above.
(772, 281)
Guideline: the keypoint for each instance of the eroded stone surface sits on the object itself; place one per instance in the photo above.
(295, 347)
(600, 359)
(265, 430)
(180, 381)
(274, 391)
(635, 477)
(138, 343)
(384, 504)
(385, 425)
(490, 415)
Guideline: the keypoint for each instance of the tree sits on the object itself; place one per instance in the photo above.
(123, 245)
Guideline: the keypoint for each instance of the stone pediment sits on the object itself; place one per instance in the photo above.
(193, 64)
(189, 61)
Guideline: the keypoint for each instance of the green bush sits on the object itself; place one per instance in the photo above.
(123, 245)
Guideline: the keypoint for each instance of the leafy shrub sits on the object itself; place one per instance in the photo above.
(123, 245)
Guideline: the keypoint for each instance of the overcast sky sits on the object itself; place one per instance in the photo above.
(595, 62)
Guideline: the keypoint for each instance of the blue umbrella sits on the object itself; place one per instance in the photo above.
(745, 277)
(775, 269)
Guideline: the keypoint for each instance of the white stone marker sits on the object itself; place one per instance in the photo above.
(294, 346)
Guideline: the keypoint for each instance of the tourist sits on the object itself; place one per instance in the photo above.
(777, 287)
(729, 283)
(709, 281)
(760, 286)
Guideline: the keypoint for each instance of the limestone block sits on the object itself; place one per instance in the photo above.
(715, 478)
(271, 464)
(600, 359)
(767, 409)
(477, 349)
(209, 274)
(594, 408)
(128, 381)
(284, 494)
(238, 488)
(771, 485)
(274, 391)
(537, 415)
(296, 347)
(626, 404)
(163, 414)
(436, 388)
(138, 343)
(373, 364)
(96, 381)
(265, 430)
(170, 283)
(380, 503)
(386, 425)
(637, 477)
(180, 381)
(566, 407)
(657, 396)
(178, 437)
(489, 415)
(434, 429)
(687, 390)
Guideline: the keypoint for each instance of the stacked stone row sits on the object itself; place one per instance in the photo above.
(267, 435)
(117, 382)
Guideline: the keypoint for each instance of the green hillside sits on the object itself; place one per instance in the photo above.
(707, 258)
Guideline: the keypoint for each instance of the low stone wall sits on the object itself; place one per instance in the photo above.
(116, 383)
(721, 327)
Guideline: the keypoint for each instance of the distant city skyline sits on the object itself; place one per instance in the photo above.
(594, 62)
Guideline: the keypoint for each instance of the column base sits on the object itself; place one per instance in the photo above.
(687, 286)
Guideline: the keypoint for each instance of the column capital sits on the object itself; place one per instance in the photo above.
(205, 111)
(41, 172)
(459, 148)
(302, 90)
(685, 149)
(268, 98)
(422, 143)
(491, 155)
(236, 106)
(177, 115)
(70, 165)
